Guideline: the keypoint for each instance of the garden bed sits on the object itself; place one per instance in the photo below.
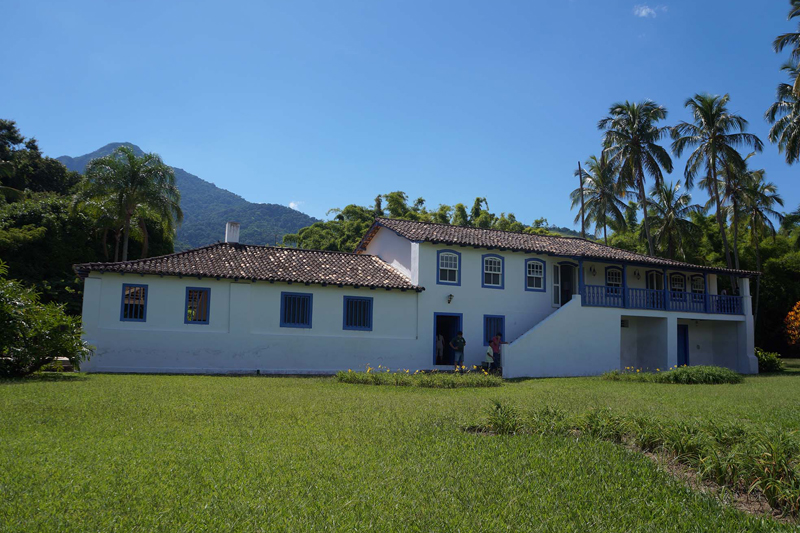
(763, 464)
(684, 375)
(462, 378)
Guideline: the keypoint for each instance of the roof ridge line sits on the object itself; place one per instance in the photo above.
(489, 229)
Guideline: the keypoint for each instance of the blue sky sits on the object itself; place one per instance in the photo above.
(321, 104)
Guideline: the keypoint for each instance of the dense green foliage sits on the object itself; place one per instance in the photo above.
(769, 361)
(22, 165)
(207, 208)
(349, 225)
(433, 380)
(43, 232)
(728, 454)
(219, 453)
(684, 375)
(33, 334)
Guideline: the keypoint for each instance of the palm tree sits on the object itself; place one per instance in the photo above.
(784, 115)
(631, 144)
(732, 187)
(137, 186)
(669, 217)
(759, 199)
(601, 195)
(714, 134)
(791, 39)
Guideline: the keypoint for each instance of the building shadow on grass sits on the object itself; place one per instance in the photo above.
(49, 377)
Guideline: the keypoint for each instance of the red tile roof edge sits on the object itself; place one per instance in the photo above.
(640, 258)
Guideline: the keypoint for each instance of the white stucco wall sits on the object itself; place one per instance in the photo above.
(393, 249)
(244, 333)
(713, 343)
(575, 341)
(644, 343)
(522, 309)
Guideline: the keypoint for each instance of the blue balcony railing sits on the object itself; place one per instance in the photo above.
(659, 300)
(602, 296)
(646, 299)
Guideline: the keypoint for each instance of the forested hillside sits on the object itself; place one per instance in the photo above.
(206, 208)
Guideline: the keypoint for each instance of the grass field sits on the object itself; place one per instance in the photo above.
(194, 453)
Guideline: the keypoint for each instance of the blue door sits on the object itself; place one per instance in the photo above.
(683, 344)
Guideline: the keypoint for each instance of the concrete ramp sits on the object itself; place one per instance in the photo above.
(573, 341)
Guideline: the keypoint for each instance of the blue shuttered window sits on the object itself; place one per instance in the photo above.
(198, 301)
(357, 313)
(296, 310)
(134, 303)
(492, 325)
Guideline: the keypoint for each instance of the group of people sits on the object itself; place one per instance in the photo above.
(459, 342)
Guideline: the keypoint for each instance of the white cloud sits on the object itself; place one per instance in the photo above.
(645, 11)
(295, 205)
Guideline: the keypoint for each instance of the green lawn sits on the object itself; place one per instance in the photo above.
(194, 453)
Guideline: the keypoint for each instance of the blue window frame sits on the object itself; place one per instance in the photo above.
(296, 308)
(134, 303)
(535, 275)
(492, 324)
(357, 313)
(448, 267)
(197, 308)
(492, 271)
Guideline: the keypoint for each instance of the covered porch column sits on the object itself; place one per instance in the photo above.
(672, 339)
(746, 360)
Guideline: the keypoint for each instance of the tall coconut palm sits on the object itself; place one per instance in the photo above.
(715, 133)
(631, 144)
(601, 194)
(792, 40)
(732, 185)
(669, 214)
(784, 115)
(133, 184)
(759, 199)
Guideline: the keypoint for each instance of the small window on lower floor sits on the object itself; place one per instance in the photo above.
(296, 310)
(134, 303)
(198, 301)
(358, 313)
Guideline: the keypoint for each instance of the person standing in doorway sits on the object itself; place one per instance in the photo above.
(495, 343)
(457, 344)
(439, 349)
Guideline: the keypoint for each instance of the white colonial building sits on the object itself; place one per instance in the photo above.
(566, 306)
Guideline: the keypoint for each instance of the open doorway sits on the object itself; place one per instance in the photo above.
(564, 283)
(567, 283)
(446, 325)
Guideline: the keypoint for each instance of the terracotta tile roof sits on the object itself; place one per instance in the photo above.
(524, 242)
(264, 263)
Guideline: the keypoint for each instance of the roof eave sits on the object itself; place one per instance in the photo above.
(83, 270)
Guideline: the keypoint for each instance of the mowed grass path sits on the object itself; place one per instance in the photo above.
(195, 453)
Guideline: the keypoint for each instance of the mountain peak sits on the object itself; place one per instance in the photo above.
(78, 164)
(206, 208)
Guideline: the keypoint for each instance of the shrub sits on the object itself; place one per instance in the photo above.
(768, 361)
(685, 375)
(33, 334)
(504, 419)
(419, 378)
